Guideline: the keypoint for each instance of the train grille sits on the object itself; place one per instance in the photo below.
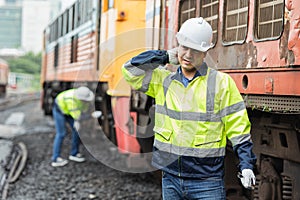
(256, 191)
(287, 188)
(267, 103)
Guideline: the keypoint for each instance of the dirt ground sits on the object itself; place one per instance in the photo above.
(88, 180)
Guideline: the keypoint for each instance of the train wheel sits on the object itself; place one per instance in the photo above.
(2, 91)
(47, 103)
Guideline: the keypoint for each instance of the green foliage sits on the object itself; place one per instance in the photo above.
(30, 63)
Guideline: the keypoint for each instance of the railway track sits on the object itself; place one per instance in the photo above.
(39, 180)
(13, 156)
(14, 100)
(14, 168)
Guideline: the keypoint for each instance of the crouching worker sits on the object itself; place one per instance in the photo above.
(68, 107)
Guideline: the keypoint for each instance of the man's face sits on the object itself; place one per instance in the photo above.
(190, 59)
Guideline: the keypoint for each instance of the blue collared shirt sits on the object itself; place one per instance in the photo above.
(185, 81)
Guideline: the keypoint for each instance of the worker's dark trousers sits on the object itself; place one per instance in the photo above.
(60, 126)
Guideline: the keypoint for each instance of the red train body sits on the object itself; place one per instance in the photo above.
(4, 69)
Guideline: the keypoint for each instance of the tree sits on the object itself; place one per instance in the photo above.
(30, 63)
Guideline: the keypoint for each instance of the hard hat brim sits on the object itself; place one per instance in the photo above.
(89, 98)
(182, 40)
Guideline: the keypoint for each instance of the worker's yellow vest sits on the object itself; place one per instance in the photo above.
(69, 104)
(193, 120)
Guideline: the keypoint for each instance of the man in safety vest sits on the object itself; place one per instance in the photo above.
(196, 109)
(68, 107)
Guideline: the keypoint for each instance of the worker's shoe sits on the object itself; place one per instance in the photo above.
(59, 162)
(77, 158)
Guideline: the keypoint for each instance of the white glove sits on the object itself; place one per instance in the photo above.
(96, 114)
(247, 178)
(173, 56)
(76, 125)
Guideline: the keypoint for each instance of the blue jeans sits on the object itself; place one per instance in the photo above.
(60, 126)
(175, 188)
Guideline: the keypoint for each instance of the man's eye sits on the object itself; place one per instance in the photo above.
(195, 51)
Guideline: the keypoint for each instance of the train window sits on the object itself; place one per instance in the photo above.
(46, 34)
(51, 33)
(187, 10)
(269, 20)
(65, 22)
(86, 11)
(71, 17)
(74, 46)
(56, 53)
(209, 10)
(235, 21)
(79, 13)
(75, 16)
(89, 9)
(59, 26)
(55, 30)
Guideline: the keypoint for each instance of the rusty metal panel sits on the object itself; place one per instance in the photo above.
(293, 17)
(278, 47)
(279, 81)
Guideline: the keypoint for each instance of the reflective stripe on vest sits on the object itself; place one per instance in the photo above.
(209, 143)
(189, 151)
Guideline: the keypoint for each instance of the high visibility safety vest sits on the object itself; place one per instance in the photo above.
(69, 104)
(193, 122)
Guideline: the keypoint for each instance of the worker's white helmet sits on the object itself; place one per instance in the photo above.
(83, 93)
(195, 33)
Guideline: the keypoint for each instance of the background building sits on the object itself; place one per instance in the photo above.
(11, 26)
(35, 16)
(22, 23)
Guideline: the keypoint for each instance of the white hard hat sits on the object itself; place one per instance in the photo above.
(195, 33)
(84, 93)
